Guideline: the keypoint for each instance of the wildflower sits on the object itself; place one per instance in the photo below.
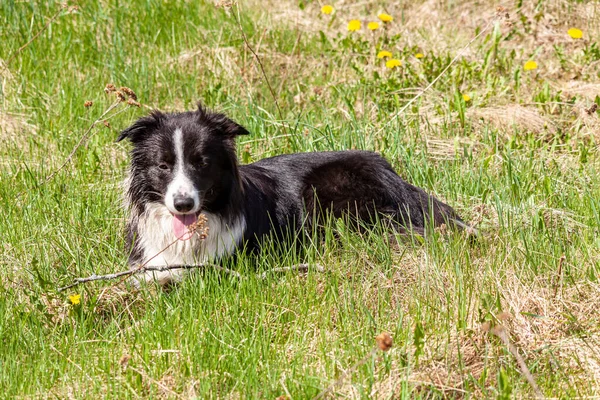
(419, 55)
(385, 17)
(393, 63)
(530, 65)
(354, 25)
(575, 33)
(466, 97)
(88, 103)
(373, 26)
(327, 9)
(75, 299)
(384, 54)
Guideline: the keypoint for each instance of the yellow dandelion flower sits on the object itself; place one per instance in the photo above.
(530, 65)
(327, 9)
(466, 97)
(385, 17)
(373, 26)
(393, 63)
(384, 54)
(575, 33)
(419, 55)
(354, 25)
(75, 299)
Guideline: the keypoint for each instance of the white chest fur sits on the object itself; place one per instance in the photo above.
(160, 247)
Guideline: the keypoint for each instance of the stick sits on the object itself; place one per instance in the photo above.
(500, 332)
(298, 267)
(140, 270)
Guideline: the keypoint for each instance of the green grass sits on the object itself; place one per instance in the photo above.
(531, 184)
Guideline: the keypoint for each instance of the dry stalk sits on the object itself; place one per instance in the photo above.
(260, 64)
(500, 332)
(298, 267)
(54, 17)
(558, 282)
(86, 135)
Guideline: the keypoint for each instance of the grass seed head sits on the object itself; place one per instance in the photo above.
(132, 102)
(200, 227)
(128, 92)
(109, 88)
(120, 96)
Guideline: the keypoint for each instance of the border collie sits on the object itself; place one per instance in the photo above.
(185, 164)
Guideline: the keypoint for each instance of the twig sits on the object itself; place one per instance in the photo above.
(500, 332)
(260, 64)
(460, 53)
(140, 270)
(298, 267)
(561, 261)
(54, 17)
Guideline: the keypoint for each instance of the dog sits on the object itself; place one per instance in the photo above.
(184, 165)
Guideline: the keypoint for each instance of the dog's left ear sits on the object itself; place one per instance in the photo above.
(225, 126)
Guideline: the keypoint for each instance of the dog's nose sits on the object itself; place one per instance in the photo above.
(183, 203)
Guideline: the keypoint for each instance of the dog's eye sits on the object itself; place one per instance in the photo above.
(199, 161)
(164, 166)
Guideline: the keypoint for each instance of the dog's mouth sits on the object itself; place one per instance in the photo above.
(181, 225)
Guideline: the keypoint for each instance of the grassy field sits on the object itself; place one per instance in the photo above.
(512, 149)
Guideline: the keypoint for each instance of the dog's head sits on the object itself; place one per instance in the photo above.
(184, 161)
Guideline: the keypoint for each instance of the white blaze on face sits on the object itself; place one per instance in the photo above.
(181, 185)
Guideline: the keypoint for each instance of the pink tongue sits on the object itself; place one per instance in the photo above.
(180, 226)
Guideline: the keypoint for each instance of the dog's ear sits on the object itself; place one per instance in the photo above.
(224, 125)
(141, 127)
(231, 129)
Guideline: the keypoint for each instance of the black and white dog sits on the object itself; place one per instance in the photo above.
(184, 164)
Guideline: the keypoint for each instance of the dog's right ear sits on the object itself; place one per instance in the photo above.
(141, 127)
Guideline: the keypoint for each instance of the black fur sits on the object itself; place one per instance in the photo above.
(275, 195)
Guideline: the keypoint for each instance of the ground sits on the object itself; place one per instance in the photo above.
(492, 107)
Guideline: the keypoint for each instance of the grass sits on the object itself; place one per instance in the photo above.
(519, 160)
